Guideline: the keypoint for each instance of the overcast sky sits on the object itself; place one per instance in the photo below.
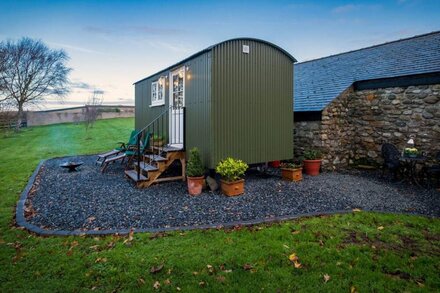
(115, 43)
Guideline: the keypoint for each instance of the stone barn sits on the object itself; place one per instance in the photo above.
(349, 104)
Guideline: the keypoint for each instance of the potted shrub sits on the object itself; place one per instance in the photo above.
(157, 140)
(312, 162)
(232, 172)
(195, 172)
(291, 171)
(411, 152)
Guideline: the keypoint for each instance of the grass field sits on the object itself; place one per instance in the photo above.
(356, 252)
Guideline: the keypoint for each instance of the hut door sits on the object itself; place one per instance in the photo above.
(177, 100)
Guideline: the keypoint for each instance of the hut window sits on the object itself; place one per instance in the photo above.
(158, 92)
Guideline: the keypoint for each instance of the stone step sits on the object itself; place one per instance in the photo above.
(132, 174)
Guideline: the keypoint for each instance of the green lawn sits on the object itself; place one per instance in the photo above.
(357, 252)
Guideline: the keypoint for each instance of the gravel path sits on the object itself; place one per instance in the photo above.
(88, 200)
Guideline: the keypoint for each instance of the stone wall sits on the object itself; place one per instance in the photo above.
(76, 115)
(393, 115)
(356, 124)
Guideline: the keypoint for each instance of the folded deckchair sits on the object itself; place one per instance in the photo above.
(122, 148)
(130, 153)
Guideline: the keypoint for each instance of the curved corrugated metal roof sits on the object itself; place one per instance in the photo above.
(211, 47)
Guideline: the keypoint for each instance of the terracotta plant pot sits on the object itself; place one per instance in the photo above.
(275, 164)
(232, 188)
(195, 185)
(311, 167)
(292, 174)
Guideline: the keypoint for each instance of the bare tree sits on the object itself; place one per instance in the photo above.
(92, 108)
(30, 72)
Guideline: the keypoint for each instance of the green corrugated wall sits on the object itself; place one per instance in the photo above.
(237, 104)
(252, 108)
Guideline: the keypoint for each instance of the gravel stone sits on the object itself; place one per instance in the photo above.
(88, 200)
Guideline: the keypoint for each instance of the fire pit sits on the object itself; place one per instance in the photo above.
(71, 165)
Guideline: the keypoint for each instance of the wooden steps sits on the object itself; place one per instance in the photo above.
(167, 149)
(155, 158)
(154, 165)
(146, 167)
(132, 174)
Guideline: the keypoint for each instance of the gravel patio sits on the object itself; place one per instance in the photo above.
(88, 200)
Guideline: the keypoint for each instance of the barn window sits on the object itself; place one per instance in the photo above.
(158, 92)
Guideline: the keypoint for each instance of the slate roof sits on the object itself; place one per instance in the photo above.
(318, 82)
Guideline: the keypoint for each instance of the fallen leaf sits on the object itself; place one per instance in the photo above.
(90, 219)
(356, 210)
(156, 285)
(326, 278)
(247, 267)
(156, 269)
(178, 288)
(295, 232)
(353, 289)
(72, 246)
(130, 234)
(202, 284)
(195, 273)
(110, 245)
(94, 247)
(167, 282)
(210, 269)
(380, 228)
(285, 246)
(99, 259)
(293, 257)
(295, 260)
(227, 271)
(221, 279)
(142, 281)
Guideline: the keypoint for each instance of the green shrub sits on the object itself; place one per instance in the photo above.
(231, 169)
(194, 167)
(312, 155)
(291, 165)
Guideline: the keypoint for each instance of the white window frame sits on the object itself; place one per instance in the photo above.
(157, 98)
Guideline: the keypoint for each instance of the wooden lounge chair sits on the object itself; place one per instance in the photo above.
(122, 148)
(129, 153)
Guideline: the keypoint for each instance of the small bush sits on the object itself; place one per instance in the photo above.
(194, 167)
(231, 169)
(291, 165)
(312, 155)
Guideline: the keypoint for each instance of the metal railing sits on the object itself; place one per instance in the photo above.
(160, 134)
